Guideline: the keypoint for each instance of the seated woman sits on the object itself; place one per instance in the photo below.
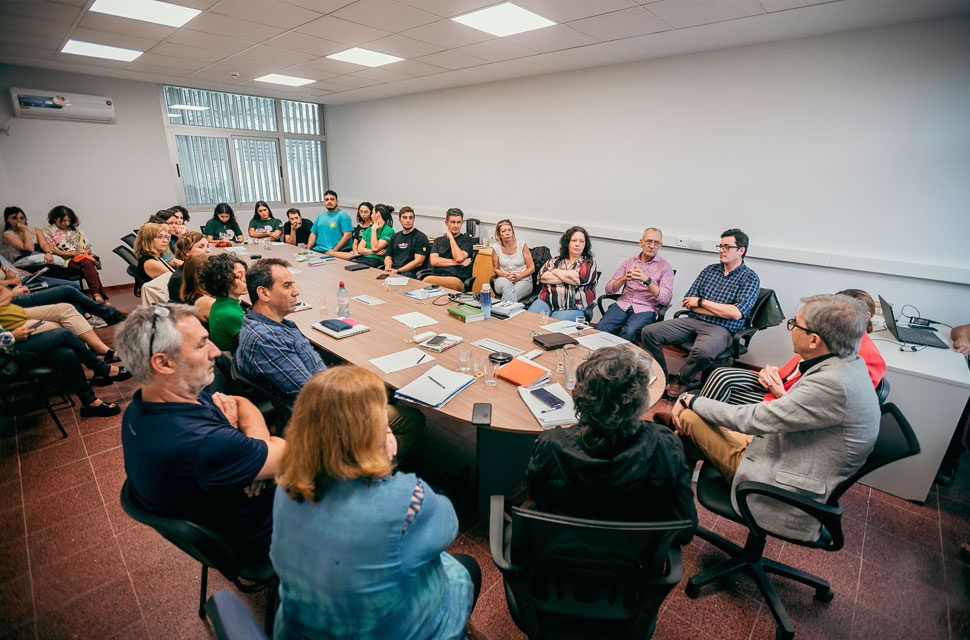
(735, 385)
(191, 243)
(360, 549)
(192, 291)
(224, 276)
(222, 226)
(150, 243)
(63, 238)
(512, 263)
(372, 245)
(17, 234)
(365, 211)
(569, 281)
(173, 220)
(264, 224)
(613, 465)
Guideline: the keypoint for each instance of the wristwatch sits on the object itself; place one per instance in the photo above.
(681, 400)
(648, 281)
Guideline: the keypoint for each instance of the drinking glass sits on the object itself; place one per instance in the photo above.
(490, 369)
(464, 359)
(478, 367)
(582, 324)
(322, 304)
(543, 318)
(410, 338)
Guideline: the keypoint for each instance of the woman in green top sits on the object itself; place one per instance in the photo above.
(264, 224)
(223, 226)
(224, 277)
(372, 244)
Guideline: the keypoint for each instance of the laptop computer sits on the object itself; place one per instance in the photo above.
(906, 334)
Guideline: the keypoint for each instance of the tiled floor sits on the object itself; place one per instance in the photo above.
(73, 565)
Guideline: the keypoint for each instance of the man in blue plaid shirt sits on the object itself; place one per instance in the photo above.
(718, 302)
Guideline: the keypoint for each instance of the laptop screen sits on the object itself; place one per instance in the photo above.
(887, 313)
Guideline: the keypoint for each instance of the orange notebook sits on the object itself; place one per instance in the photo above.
(522, 373)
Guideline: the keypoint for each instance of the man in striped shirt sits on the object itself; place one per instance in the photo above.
(718, 302)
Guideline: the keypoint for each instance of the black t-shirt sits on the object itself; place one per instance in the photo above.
(302, 234)
(175, 285)
(185, 460)
(442, 246)
(404, 246)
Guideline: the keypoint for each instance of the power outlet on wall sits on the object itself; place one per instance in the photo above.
(683, 243)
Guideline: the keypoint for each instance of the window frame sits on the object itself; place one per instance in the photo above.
(172, 130)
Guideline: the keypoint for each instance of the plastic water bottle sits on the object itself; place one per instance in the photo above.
(487, 300)
(343, 301)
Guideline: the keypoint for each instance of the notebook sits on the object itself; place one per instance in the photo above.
(340, 327)
(546, 417)
(435, 387)
(523, 373)
(906, 334)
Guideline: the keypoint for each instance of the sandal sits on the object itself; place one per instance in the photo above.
(103, 410)
(109, 356)
(105, 380)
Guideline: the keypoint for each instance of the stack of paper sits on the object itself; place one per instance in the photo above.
(600, 339)
(397, 281)
(435, 387)
(507, 309)
(401, 360)
(425, 294)
(545, 416)
(561, 326)
(415, 319)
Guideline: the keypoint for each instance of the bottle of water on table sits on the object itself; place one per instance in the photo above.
(343, 301)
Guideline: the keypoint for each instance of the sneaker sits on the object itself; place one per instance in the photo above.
(96, 322)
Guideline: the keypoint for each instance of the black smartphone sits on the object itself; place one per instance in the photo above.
(435, 341)
(255, 256)
(482, 414)
(36, 324)
(550, 400)
(383, 276)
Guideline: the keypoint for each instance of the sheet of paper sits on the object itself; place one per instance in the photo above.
(599, 340)
(397, 281)
(425, 294)
(494, 345)
(402, 360)
(240, 249)
(369, 300)
(561, 326)
(278, 244)
(415, 320)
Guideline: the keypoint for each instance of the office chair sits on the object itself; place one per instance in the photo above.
(211, 550)
(129, 239)
(574, 578)
(15, 370)
(882, 390)
(128, 256)
(231, 619)
(272, 408)
(896, 441)
(540, 256)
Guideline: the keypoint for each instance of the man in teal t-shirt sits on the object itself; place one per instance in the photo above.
(332, 228)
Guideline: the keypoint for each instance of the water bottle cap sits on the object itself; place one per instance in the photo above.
(486, 287)
(341, 283)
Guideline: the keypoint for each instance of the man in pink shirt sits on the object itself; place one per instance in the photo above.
(646, 281)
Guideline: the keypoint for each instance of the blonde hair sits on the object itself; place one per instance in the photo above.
(185, 243)
(337, 432)
(498, 229)
(145, 240)
(191, 280)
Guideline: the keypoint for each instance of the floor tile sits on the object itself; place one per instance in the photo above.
(102, 441)
(59, 454)
(670, 626)
(9, 470)
(77, 574)
(839, 569)
(871, 623)
(62, 506)
(491, 616)
(12, 525)
(912, 527)
(813, 620)
(471, 546)
(17, 607)
(57, 480)
(885, 590)
(13, 559)
(726, 610)
(11, 496)
(923, 564)
(96, 614)
(108, 462)
(69, 537)
(92, 425)
(41, 431)
(929, 509)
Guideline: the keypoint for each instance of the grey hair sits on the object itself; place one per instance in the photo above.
(839, 320)
(612, 392)
(133, 335)
(652, 229)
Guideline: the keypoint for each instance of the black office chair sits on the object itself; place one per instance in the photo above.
(540, 256)
(231, 619)
(468, 282)
(882, 390)
(211, 550)
(128, 256)
(607, 299)
(129, 239)
(272, 408)
(34, 376)
(896, 441)
(573, 578)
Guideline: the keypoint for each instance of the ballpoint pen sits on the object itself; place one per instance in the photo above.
(421, 359)
(436, 382)
(556, 408)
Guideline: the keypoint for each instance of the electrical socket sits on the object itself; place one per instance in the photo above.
(683, 243)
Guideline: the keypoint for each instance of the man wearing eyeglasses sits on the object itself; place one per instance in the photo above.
(646, 282)
(718, 301)
(809, 440)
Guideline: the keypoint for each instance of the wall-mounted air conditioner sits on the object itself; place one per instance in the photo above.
(58, 105)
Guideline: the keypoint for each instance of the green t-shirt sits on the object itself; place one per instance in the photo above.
(386, 233)
(225, 321)
(273, 224)
(214, 228)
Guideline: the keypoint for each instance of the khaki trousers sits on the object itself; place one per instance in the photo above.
(57, 316)
(446, 282)
(721, 447)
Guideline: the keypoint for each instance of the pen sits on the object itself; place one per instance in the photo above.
(421, 359)
(551, 409)
(436, 382)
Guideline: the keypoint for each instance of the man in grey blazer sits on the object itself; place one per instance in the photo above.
(810, 439)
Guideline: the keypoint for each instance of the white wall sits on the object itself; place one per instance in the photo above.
(113, 175)
(851, 149)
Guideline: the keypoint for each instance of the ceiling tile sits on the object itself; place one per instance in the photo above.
(320, 6)
(448, 34)
(39, 27)
(413, 68)
(78, 3)
(259, 66)
(497, 50)
(195, 4)
(185, 51)
(344, 31)
(380, 74)
(159, 69)
(352, 81)
(337, 66)
(168, 61)
(552, 38)
(307, 44)
(681, 14)
(569, 10)
(230, 27)
(10, 50)
(277, 54)
(30, 39)
(452, 60)
(628, 23)
(313, 73)
(784, 5)
(209, 41)
(328, 87)
(385, 14)
(271, 12)
(450, 8)
(114, 24)
(221, 75)
(402, 47)
(113, 39)
(89, 61)
(47, 11)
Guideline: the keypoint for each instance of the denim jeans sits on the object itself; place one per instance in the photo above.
(70, 295)
(566, 314)
(625, 324)
(61, 349)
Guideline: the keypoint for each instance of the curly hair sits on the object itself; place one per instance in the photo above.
(62, 211)
(567, 236)
(612, 392)
(218, 274)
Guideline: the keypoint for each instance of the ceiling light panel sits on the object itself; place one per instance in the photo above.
(504, 20)
(364, 57)
(94, 50)
(171, 15)
(290, 81)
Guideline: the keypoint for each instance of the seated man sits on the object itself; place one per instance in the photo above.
(646, 281)
(275, 353)
(189, 454)
(332, 229)
(451, 261)
(408, 248)
(809, 440)
(720, 298)
(295, 231)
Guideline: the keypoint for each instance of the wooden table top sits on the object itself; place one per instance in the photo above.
(387, 335)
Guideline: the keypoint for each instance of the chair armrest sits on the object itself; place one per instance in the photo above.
(661, 312)
(744, 335)
(606, 296)
(496, 533)
(676, 563)
(829, 516)
(420, 274)
(681, 313)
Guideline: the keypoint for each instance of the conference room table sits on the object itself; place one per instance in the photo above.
(503, 447)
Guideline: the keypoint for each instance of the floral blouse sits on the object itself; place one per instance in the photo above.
(66, 239)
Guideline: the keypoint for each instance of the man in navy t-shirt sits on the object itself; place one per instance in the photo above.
(189, 454)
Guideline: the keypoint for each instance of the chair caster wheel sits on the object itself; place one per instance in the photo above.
(692, 591)
(781, 634)
(824, 596)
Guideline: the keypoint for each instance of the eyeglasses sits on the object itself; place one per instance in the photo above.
(163, 236)
(792, 324)
(158, 312)
(725, 247)
(652, 243)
